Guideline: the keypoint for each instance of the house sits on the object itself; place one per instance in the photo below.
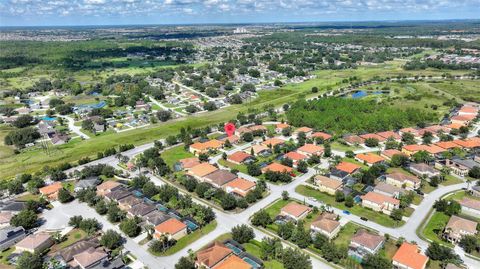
(364, 243)
(327, 225)
(310, 150)
(219, 178)
(66, 254)
(470, 143)
(280, 126)
(90, 258)
(470, 207)
(239, 157)
(240, 186)
(408, 256)
(410, 150)
(389, 190)
(172, 228)
(140, 210)
(389, 153)
(348, 167)
(423, 170)
(463, 119)
(187, 163)
(212, 255)
(321, 135)
(5, 218)
(402, 180)
(13, 207)
(35, 243)
(373, 136)
(389, 135)
(295, 211)
(475, 191)
(118, 194)
(272, 142)
(447, 145)
(233, 262)
(87, 183)
(458, 227)
(128, 202)
(9, 236)
(295, 157)
(379, 202)
(59, 139)
(338, 174)
(461, 167)
(276, 167)
(258, 150)
(205, 147)
(369, 158)
(306, 130)
(155, 217)
(353, 140)
(327, 185)
(50, 192)
(410, 130)
(107, 187)
(201, 170)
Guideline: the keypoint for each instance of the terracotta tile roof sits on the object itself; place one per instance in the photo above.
(379, 198)
(304, 130)
(470, 203)
(202, 169)
(295, 156)
(273, 141)
(211, 144)
(468, 110)
(311, 149)
(213, 254)
(238, 156)
(433, 149)
(323, 135)
(258, 148)
(409, 130)
(464, 117)
(326, 224)
(457, 225)
(388, 134)
(374, 136)
(328, 182)
(221, 177)
(403, 177)
(189, 162)
(409, 255)
(367, 239)
(89, 257)
(414, 147)
(370, 158)
(390, 152)
(233, 262)
(276, 167)
(354, 139)
(51, 189)
(233, 139)
(447, 144)
(282, 126)
(347, 167)
(467, 143)
(257, 127)
(295, 209)
(108, 185)
(170, 226)
(241, 184)
(455, 125)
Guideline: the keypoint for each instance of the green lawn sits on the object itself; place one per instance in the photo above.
(171, 156)
(451, 180)
(435, 225)
(28, 197)
(345, 235)
(188, 239)
(274, 209)
(371, 215)
(459, 195)
(253, 247)
(240, 167)
(73, 236)
(341, 147)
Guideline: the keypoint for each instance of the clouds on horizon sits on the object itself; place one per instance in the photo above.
(54, 12)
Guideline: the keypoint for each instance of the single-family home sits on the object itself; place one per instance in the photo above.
(458, 227)
(389, 153)
(128, 202)
(280, 126)
(364, 243)
(423, 170)
(240, 186)
(320, 135)
(204, 147)
(403, 180)
(186, 163)
(295, 211)
(408, 256)
(35, 243)
(310, 150)
(373, 136)
(389, 190)
(86, 183)
(272, 142)
(353, 140)
(326, 224)
(295, 157)
(107, 187)
(155, 217)
(258, 150)
(172, 228)
(276, 167)
(201, 170)
(233, 262)
(9, 236)
(389, 135)
(306, 130)
(470, 207)
(50, 192)
(212, 255)
(461, 167)
(219, 178)
(348, 167)
(140, 210)
(448, 145)
(66, 255)
(90, 258)
(469, 143)
(239, 157)
(327, 185)
(118, 194)
(380, 202)
(5, 218)
(369, 158)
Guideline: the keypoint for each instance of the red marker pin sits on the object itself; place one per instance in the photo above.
(229, 128)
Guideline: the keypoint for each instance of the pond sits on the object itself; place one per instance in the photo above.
(362, 93)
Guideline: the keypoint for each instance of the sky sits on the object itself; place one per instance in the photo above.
(118, 12)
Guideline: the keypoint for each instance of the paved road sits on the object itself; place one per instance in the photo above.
(75, 129)
(166, 108)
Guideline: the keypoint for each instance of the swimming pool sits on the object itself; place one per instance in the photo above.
(162, 207)
(191, 225)
(235, 249)
(252, 262)
(46, 118)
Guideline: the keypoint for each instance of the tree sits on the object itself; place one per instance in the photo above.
(427, 138)
(285, 231)
(319, 240)
(164, 115)
(285, 195)
(242, 233)
(254, 169)
(21, 137)
(26, 218)
(88, 125)
(29, 260)
(228, 202)
(23, 121)
(339, 196)
(185, 263)
(101, 207)
(300, 236)
(438, 252)
(130, 227)
(64, 196)
(15, 187)
(210, 106)
(302, 167)
(262, 218)
(90, 226)
(399, 160)
(295, 259)
(376, 262)
(469, 243)
(111, 239)
(397, 214)
(349, 201)
(75, 221)
(474, 172)
(114, 214)
(371, 142)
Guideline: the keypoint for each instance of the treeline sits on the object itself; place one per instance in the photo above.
(422, 65)
(344, 115)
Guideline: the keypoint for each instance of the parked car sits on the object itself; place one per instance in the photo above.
(346, 212)
(363, 218)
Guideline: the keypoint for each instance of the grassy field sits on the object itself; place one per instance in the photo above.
(435, 225)
(173, 155)
(371, 215)
(345, 235)
(239, 167)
